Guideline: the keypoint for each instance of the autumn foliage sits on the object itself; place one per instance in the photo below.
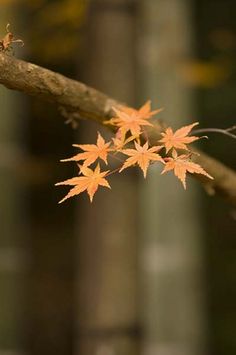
(130, 147)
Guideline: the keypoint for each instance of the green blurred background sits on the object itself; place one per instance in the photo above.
(148, 268)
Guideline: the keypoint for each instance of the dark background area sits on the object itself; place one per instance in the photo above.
(147, 268)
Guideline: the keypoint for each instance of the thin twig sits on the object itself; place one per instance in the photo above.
(113, 171)
(217, 130)
(145, 135)
(115, 157)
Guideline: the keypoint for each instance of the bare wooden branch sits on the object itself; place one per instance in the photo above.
(224, 182)
(76, 100)
(226, 131)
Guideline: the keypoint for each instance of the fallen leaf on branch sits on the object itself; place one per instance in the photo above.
(181, 165)
(90, 181)
(179, 139)
(142, 156)
(91, 152)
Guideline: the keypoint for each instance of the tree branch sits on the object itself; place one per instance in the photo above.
(226, 131)
(76, 100)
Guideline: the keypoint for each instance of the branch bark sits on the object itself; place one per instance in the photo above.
(75, 100)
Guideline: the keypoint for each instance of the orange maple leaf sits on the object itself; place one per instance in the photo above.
(91, 152)
(144, 111)
(181, 165)
(89, 181)
(179, 139)
(129, 119)
(142, 156)
(119, 143)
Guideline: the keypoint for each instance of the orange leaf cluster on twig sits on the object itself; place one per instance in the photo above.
(130, 125)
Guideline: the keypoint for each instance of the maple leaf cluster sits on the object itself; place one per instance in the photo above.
(129, 141)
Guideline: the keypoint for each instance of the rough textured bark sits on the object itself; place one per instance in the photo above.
(76, 100)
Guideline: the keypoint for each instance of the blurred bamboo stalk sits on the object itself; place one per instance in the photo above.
(171, 255)
(107, 239)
